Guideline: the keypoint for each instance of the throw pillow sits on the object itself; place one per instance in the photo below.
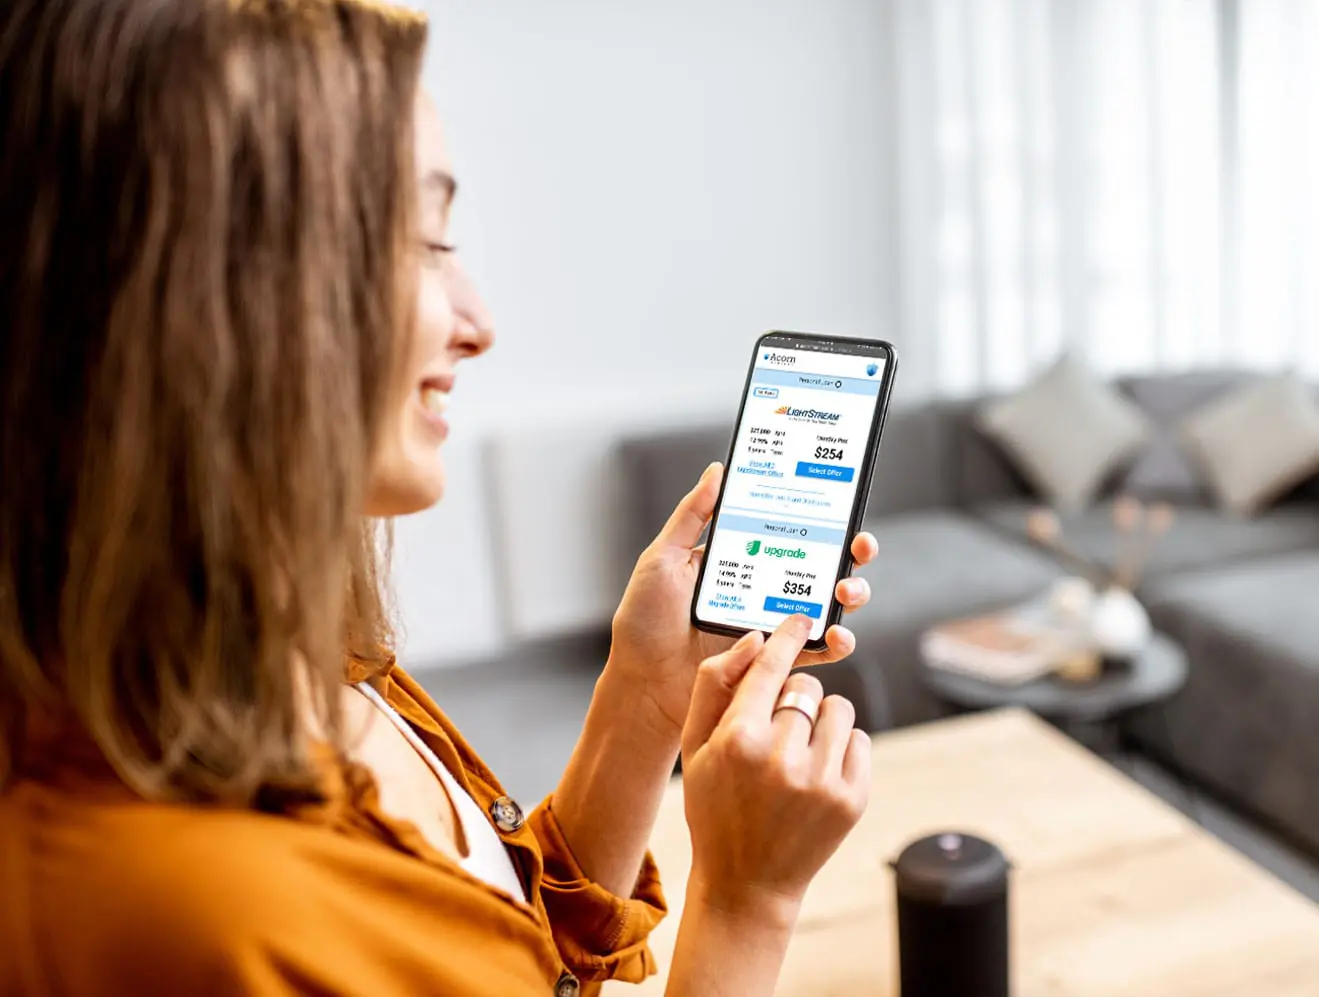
(1164, 471)
(1067, 433)
(1256, 443)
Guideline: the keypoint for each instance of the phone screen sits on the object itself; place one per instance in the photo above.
(801, 456)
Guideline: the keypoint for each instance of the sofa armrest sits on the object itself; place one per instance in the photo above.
(658, 470)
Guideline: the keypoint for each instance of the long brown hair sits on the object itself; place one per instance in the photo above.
(205, 209)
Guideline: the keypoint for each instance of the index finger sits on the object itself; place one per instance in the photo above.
(764, 680)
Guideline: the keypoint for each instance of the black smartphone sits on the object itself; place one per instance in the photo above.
(795, 484)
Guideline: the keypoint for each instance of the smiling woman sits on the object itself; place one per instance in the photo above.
(229, 326)
(451, 324)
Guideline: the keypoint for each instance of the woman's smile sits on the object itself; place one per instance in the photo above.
(434, 400)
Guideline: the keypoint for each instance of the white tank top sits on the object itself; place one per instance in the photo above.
(487, 858)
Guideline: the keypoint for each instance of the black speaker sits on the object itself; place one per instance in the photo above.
(953, 918)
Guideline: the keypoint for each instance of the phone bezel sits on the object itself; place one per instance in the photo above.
(854, 345)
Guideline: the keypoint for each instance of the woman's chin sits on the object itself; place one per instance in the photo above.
(403, 494)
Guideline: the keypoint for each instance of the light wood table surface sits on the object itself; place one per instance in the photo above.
(1114, 893)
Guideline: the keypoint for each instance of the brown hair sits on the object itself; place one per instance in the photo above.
(203, 288)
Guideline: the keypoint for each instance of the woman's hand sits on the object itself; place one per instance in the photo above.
(656, 648)
(769, 796)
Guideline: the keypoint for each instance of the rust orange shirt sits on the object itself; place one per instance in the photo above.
(102, 893)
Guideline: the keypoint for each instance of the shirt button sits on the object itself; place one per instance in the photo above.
(567, 986)
(508, 816)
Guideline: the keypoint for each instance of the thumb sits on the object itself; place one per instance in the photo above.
(717, 680)
(688, 520)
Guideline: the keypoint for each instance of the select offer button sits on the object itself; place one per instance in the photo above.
(787, 607)
(824, 472)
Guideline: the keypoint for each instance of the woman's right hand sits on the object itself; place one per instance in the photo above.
(768, 798)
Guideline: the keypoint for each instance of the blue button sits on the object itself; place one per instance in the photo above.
(787, 607)
(827, 472)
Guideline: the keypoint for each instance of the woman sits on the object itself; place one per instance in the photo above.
(231, 324)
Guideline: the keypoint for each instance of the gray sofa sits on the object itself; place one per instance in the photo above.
(950, 514)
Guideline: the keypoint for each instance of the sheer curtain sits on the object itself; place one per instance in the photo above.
(1276, 304)
(1131, 180)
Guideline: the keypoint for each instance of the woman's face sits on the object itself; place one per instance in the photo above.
(452, 325)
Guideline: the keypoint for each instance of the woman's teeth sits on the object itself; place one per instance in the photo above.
(434, 400)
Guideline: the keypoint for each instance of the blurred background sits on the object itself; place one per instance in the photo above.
(647, 187)
(992, 185)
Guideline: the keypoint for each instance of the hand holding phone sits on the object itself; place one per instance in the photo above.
(797, 480)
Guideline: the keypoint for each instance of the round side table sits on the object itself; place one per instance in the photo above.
(1152, 677)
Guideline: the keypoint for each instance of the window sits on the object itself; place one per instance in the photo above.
(1133, 180)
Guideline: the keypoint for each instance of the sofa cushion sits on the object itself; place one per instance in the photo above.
(1200, 537)
(934, 566)
(1068, 432)
(1245, 723)
(1164, 470)
(1256, 443)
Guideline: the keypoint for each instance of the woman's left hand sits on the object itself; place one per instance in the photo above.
(656, 648)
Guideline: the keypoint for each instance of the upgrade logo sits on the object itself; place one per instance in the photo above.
(754, 547)
(808, 414)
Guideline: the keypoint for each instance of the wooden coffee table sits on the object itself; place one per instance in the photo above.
(1115, 894)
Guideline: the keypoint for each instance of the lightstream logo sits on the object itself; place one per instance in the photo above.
(811, 414)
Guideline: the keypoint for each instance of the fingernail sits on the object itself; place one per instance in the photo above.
(714, 466)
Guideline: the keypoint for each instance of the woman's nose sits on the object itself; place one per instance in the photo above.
(474, 327)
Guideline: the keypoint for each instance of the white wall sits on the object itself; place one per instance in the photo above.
(646, 186)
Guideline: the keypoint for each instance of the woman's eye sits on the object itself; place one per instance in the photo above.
(435, 253)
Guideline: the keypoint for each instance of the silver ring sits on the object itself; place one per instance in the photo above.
(805, 704)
